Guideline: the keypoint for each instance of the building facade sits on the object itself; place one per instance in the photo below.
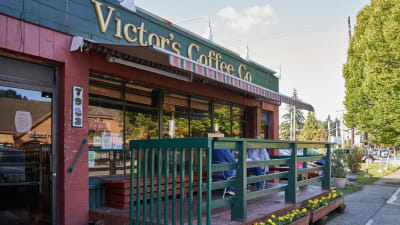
(94, 70)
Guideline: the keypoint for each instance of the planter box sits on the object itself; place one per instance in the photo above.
(321, 212)
(303, 221)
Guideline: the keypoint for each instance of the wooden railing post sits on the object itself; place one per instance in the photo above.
(305, 154)
(290, 193)
(239, 206)
(326, 182)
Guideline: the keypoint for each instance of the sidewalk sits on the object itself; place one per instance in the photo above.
(377, 204)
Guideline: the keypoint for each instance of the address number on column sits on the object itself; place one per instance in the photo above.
(77, 106)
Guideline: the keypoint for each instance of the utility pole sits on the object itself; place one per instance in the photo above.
(367, 154)
(352, 129)
(349, 24)
(291, 126)
(329, 129)
(294, 122)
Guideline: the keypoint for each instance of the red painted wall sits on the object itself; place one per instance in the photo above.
(43, 45)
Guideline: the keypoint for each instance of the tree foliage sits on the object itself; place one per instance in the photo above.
(313, 130)
(372, 73)
(284, 127)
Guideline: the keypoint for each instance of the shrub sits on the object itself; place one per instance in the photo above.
(338, 159)
(354, 161)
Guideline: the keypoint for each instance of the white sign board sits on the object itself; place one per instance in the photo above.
(106, 140)
(77, 106)
(92, 155)
(97, 141)
(116, 140)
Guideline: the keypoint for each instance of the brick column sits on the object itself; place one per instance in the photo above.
(274, 130)
(73, 187)
(253, 121)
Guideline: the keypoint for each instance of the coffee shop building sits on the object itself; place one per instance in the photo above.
(93, 74)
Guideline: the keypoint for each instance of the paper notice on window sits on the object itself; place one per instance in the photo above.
(92, 155)
(96, 141)
(116, 140)
(106, 140)
(23, 121)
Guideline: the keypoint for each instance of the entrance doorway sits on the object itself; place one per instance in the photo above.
(25, 156)
(28, 168)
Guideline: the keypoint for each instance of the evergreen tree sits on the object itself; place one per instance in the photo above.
(372, 73)
(284, 127)
(313, 130)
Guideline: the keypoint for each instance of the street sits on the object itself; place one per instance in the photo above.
(377, 203)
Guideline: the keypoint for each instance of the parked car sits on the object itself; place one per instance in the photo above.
(12, 165)
(371, 158)
(18, 181)
(384, 153)
(311, 152)
(374, 151)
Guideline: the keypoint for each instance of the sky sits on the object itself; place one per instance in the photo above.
(308, 39)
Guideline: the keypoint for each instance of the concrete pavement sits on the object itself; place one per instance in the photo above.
(376, 204)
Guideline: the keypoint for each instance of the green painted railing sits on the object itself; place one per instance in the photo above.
(170, 172)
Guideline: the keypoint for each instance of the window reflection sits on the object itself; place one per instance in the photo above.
(175, 116)
(105, 115)
(222, 110)
(25, 156)
(120, 111)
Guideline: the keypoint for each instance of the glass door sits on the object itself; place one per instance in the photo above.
(25, 156)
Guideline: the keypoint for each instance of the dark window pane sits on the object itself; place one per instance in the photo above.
(139, 94)
(238, 113)
(222, 110)
(238, 129)
(200, 107)
(200, 126)
(141, 123)
(175, 121)
(175, 125)
(224, 126)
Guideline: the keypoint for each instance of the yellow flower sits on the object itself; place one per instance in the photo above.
(273, 223)
(273, 216)
(304, 210)
(262, 223)
(269, 221)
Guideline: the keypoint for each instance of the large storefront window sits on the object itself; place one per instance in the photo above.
(120, 111)
(105, 127)
(141, 114)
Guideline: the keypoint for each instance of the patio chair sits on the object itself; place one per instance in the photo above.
(221, 175)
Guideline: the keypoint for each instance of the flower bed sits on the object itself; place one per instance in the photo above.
(296, 217)
(318, 208)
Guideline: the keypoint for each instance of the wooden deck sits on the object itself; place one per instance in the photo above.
(257, 209)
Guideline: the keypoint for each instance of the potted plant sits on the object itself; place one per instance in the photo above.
(354, 164)
(338, 171)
